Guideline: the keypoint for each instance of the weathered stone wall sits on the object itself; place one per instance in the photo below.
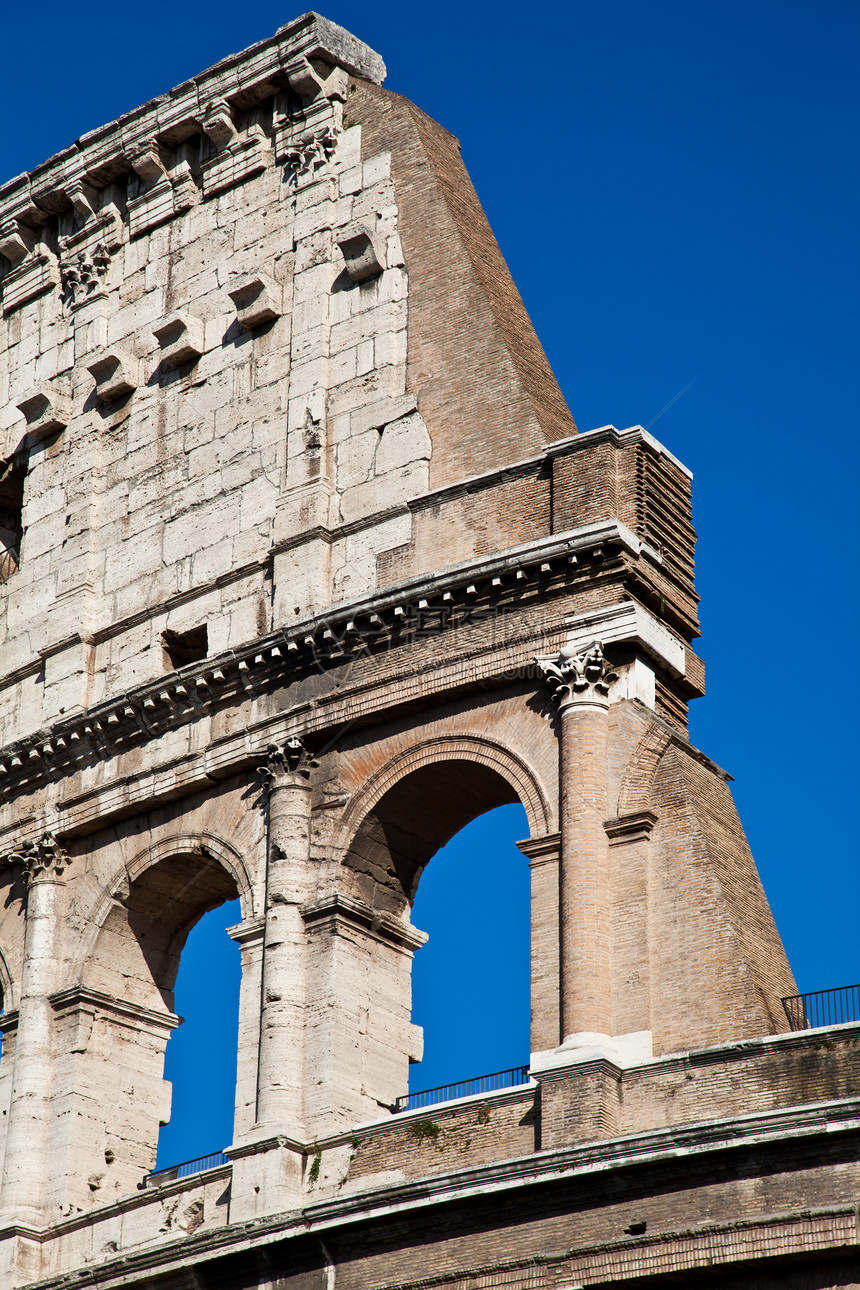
(305, 566)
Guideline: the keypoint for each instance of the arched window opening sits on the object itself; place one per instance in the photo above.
(471, 981)
(200, 1060)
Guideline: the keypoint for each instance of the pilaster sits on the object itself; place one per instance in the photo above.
(579, 682)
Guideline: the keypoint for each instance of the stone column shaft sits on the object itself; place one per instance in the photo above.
(280, 1077)
(30, 1111)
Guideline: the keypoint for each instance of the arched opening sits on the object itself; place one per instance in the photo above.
(414, 819)
(472, 989)
(200, 1059)
(135, 968)
(470, 982)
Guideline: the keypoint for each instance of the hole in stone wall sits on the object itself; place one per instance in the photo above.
(185, 647)
(200, 1060)
(13, 473)
(471, 981)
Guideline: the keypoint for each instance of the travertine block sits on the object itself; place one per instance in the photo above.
(46, 410)
(115, 374)
(257, 300)
(180, 338)
(362, 253)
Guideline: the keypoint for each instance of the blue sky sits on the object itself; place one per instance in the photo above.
(675, 188)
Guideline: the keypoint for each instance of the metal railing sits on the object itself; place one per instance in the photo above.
(188, 1167)
(10, 558)
(447, 1092)
(823, 1007)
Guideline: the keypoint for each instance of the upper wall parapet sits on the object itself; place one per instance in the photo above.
(308, 56)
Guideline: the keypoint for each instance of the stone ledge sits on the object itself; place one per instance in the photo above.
(682, 1147)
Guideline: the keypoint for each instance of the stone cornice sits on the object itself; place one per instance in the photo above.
(531, 465)
(337, 634)
(241, 80)
(686, 1149)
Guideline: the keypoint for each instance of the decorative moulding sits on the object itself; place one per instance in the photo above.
(115, 374)
(257, 301)
(310, 153)
(180, 338)
(46, 410)
(362, 252)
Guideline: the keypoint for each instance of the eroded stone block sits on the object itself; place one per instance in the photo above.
(46, 409)
(362, 252)
(180, 338)
(115, 374)
(257, 301)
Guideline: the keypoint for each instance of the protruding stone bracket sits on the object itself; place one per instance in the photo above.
(43, 859)
(258, 300)
(147, 163)
(290, 761)
(578, 676)
(636, 827)
(83, 198)
(180, 338)
(362, 252)
(309, 81)
(218, 124)
(115, 374)
(46, 410)
(16, 241)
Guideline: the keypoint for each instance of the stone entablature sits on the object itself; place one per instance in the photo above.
(206, 105)
(416, 609)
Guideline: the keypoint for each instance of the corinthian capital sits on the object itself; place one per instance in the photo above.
(582, 676)
(43, 859)
(289, 762)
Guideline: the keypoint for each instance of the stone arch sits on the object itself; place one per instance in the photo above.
(419, 799)
(144, 914)
(637, 784)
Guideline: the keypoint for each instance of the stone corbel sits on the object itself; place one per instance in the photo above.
(257, 300)
(45, 409)
(362, 252)
(180, 338)
(218, 124)
(636, 827)
(306, 81)
(115, 374)
(83, 199)
(147, 163)
(578, 676)
(185, 190)
(16, 241)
